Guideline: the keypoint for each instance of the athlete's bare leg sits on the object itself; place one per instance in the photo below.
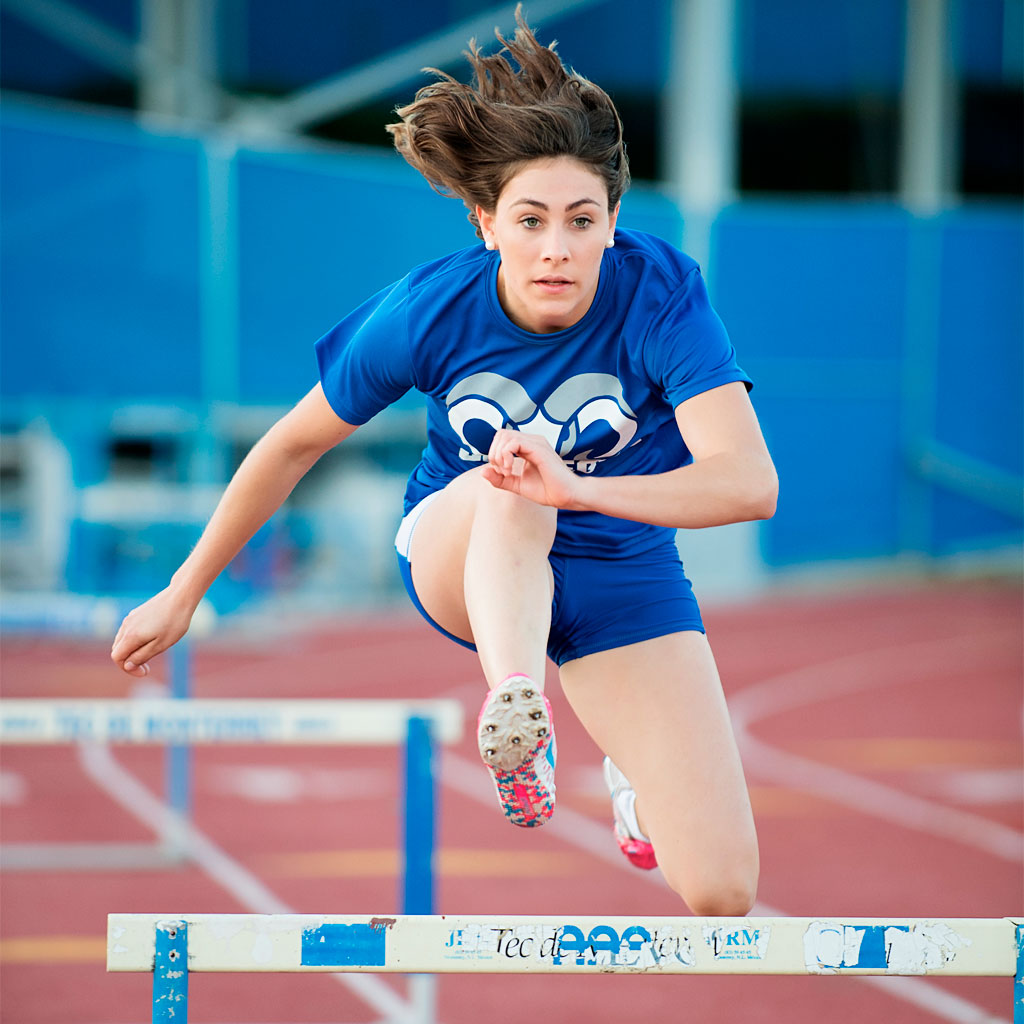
(480, 569)
(657, 709)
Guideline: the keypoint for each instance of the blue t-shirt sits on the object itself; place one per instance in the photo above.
(603, 391)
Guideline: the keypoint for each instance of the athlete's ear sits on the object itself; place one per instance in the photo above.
(486, 222)
(612, 218)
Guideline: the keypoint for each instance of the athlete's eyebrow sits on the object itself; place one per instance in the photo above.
(544, 206)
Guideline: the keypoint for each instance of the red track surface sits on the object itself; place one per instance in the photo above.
(917, 690)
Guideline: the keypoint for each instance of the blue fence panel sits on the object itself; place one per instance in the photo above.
(100, 259)
(980, 355)
(648, 208)
(319, 234)
(814, 296)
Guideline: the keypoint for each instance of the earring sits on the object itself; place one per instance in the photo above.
(610, 243)
(488, 244)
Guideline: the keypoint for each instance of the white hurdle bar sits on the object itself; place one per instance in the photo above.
(172, 947)
(236, 721)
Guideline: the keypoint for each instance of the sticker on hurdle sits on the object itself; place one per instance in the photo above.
(978, 947)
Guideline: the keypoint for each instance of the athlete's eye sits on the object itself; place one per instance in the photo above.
(530, 222)
(582, 222)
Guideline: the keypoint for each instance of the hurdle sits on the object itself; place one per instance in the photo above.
(414, 723)
(173, 947)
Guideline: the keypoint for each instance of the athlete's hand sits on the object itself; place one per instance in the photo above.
(529, 466)
(149, 629)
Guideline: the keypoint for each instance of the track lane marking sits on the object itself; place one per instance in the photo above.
(899, 664)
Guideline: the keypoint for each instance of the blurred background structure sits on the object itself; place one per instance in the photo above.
(193, 191)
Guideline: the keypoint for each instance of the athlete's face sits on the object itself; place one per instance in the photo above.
(551, 227)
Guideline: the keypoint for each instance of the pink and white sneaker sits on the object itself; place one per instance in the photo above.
(632, 842)
(516, 737)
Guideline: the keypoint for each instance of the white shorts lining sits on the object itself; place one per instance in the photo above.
(403, 539)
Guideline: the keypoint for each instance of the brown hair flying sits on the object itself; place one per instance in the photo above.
(470, 140)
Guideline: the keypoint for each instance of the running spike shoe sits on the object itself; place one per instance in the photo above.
(633, 843)
(516, 737)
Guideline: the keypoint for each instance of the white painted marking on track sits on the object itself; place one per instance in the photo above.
(980, 786)
(13, 788)
(101, 766)
(918, 660)
(900, 664)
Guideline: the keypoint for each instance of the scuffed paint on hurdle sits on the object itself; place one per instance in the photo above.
(424, 944)
(831, 947)
(170, 972)
(1018, 982)
(612, 946)
(448, 943)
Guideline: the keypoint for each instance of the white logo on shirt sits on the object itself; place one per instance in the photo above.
(585, 419)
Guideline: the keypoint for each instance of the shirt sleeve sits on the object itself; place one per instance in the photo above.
(365, 360)
(688, 350)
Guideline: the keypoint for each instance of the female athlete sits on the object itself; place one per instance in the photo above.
(584, 402)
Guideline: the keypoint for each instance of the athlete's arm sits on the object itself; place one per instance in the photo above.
(265, 478)
(731, 479)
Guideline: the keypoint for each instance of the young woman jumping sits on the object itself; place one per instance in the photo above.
(584, 402)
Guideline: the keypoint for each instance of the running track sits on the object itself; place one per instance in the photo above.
(881, 733)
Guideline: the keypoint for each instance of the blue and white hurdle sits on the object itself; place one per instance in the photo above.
(182, 723)
(172, 948)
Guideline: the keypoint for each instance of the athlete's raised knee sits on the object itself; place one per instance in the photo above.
(727, 892)
(513, 509)
(731, 901)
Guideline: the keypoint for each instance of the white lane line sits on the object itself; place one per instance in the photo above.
(877, 800)
(980, 786)
(892, 666)
(13, 788)
(100, 765)
(942, 1003)
(915, 661)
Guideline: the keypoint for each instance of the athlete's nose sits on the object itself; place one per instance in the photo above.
(556, 246)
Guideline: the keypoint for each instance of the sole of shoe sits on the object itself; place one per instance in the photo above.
(516, 742)
(515, 718)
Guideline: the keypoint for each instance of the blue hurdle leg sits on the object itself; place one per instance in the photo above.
(170, 973)
(1018, 981)
(419, 825)
(178, 756)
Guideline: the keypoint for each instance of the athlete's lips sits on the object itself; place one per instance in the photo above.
(553, 284)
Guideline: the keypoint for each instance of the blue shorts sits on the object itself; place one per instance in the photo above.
(599, 603)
